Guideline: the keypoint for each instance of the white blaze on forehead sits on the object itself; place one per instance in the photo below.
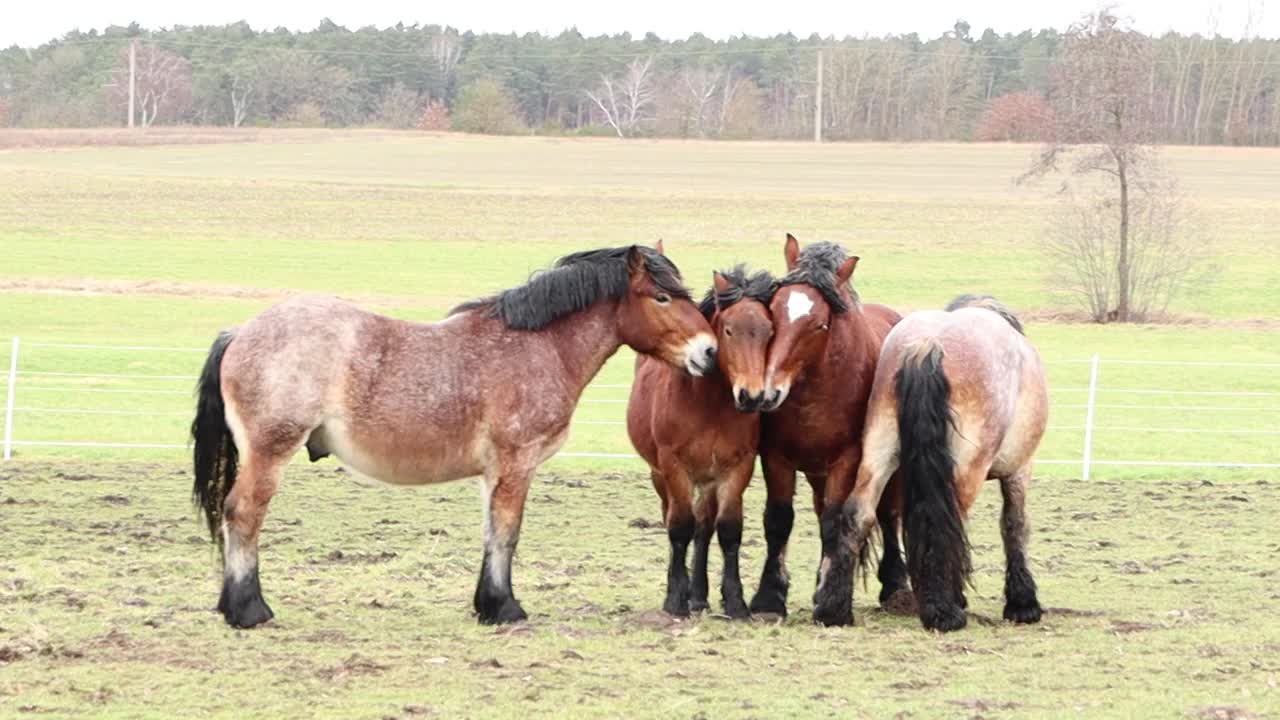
(798, 305)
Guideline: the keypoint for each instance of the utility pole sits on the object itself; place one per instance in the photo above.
(133, 65)
(817, 105)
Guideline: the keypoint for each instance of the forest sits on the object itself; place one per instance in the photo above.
(957, 87)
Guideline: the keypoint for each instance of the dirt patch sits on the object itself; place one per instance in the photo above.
(355, 665)
(643, 524)
(339, 557)
(1072, 612)
(1128, 627)
(984, 705)
(1222, 712)
(902, 602)
(651, 620)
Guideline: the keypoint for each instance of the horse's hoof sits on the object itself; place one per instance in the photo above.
(834, 615)
(737, 610)
(943, 618)
(250, 613)
(676, 607)
(1023, 615)
(770, 600)
(506, 613)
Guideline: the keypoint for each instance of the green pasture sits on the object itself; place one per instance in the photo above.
(1161, 581)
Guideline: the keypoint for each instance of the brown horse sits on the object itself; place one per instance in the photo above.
(959, 398)
(488, 391)
(821, 363)
(701, 433)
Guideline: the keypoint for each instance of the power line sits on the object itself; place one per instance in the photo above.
(427, 53)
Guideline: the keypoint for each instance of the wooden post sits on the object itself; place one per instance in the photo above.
(133, 64)
(1088, 420)
(8, 405)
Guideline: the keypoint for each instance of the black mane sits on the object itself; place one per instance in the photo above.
(816, 267)
(575, 283)
(987, 303)
(759, 287)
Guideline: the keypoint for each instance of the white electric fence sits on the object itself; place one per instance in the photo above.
(35, 388)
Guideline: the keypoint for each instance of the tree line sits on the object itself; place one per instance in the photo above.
(958, 86)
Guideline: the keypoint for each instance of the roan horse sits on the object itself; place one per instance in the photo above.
(489, 390)
(701, 433)
(818, 379)
(959, 397)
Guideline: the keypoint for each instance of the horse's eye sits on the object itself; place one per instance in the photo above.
(662, 298)
(728, 331)
(823, 327)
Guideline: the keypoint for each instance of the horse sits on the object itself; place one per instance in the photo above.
(487, 391)
(701, 433)
(818, 378)
(959, 398)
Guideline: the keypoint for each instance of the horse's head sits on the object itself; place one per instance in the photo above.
(814, 291)
(740, 319)
(657, 317)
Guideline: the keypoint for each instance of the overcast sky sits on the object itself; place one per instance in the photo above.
(30, 23)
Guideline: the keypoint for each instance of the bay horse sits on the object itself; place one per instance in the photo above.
(488, 391)
(701, 434)
(959, 398)
(818, 379)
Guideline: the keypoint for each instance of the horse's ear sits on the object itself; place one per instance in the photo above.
(720, 284)
(791, 251)
(659, 248)
(845, 271)
(635, 265)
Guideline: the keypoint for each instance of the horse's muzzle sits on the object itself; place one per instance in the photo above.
(744, 401)
(772, 399)
(700, 355)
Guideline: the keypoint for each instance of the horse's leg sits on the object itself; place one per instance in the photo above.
(818, 487)
(680, 530)
(858, 516)
(729, 531)
(705, 519)
(893, 570)
(241, 601)
(779, 516)
(504, 494)
(1020, 603)
(833, 595)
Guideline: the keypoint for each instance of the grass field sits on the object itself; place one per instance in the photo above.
(1164, 576)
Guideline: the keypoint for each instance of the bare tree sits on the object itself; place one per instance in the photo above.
(163, 81)
(243, 84)
(627, 102)
(1101, 83)
(1167, 250)
(700, 85)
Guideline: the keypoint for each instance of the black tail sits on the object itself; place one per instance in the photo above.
(934, 535)
(215, 452)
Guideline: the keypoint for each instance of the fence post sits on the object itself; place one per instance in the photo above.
(11, 390)
(1088, 419)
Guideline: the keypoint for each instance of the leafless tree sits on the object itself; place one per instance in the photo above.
(700, 85)
(242, 87)
(1167, 250)
(627, 102)
(163, 80)
(1101, 87)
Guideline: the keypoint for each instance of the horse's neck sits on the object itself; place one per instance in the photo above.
(585, 340)
(850, 350)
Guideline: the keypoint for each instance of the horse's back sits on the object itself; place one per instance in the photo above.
(881, 318)
(996, 378)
